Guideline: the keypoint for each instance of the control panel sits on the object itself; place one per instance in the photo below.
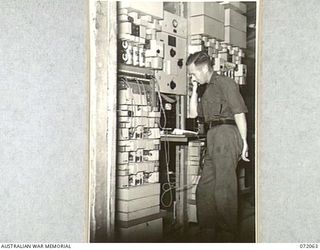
(172, 78)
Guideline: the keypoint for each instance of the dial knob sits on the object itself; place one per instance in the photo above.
(174, 23)
(172, 53)
(173, 85)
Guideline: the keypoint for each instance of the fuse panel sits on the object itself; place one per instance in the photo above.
(138, 145)
(138, 135)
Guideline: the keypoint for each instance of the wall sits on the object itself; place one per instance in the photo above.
(289, 91)
(44, 121)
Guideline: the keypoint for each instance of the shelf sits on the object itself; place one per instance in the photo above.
(124, 68)
(180, 138)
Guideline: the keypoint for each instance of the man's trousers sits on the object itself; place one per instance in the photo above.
(217, 190)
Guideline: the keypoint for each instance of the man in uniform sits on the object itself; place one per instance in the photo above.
(223, 109)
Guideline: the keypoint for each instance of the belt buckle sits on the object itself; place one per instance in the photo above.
(214, 123)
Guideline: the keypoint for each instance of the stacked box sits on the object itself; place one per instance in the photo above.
(236, 20)
(207, 18)
(237, 6)
(194, 159)
(210, 9)
(235, 28)
(204, 25)
(138, 213)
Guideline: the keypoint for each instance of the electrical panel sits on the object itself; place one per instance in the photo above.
(137, 43)
(140, 52)
(138, 145)
(220, 30)
(224, 48)
(226, 58)
(153, 46)
(138, 134)
(172, 78)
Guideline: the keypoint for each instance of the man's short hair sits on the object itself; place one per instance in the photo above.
(199, 58)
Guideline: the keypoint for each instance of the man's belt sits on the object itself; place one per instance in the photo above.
(220, 122)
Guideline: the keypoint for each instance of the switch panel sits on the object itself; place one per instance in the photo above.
(172, 79)
(174, 24)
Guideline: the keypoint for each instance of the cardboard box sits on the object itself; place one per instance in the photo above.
(235, 37)
(210, 9)
(235, 20)
(204, 25)
(121, 216)
(138, 204)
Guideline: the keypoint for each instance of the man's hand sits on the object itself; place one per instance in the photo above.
(244, 154)
(242, 126)
(194, 100)
(194, 85)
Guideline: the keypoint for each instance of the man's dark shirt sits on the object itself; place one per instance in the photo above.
(221, 99)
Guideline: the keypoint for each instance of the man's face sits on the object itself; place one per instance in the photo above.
(198, 73)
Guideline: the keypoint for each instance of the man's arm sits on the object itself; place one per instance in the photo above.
(242, 126)
(194, 101)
